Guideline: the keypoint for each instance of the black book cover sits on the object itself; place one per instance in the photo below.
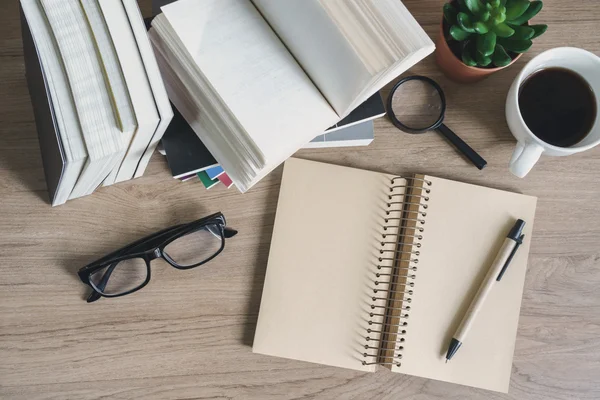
(372, 108)
(50, 143)
(185, 152)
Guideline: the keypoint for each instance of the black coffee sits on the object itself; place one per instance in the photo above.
(558, 106)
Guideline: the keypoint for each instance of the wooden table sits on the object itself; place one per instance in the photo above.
(188, 334)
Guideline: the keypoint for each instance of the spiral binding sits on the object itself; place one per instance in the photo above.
(394, 283)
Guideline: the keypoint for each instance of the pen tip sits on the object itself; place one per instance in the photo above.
(446, 361)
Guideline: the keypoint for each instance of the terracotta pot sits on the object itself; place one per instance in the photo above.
(455, 69)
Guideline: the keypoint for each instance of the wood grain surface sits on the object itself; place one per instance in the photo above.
(187, 335)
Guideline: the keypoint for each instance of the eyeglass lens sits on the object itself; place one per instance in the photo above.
(417, 104)
(196, 247)
(120, 277)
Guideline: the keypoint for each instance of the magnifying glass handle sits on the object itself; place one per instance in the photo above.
(464, 148)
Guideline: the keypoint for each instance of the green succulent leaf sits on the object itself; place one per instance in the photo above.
(486, 44)
(516, 46)
(516, 8)
(499, 18)
(503, 3)
(481, 28)
(458, 33)
(501, 57)
(489, 6)
(450, 13)
(531, 12)
(482, 61)
(475, 6)
(467, 58)
(522, 32)
(485, 16)
(495, 3)
(465, 22)
(503, 30)
(538, 30)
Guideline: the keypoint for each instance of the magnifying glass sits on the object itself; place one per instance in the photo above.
(417, 104)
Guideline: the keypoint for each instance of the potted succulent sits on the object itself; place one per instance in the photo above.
(480, 37)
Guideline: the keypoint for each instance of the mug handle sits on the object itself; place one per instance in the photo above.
(524, 158)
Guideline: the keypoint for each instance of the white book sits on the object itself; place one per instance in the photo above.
(140, 90)
(161, 99)
(267, 76)
(67, 126)
(113, 74)
(104, 141)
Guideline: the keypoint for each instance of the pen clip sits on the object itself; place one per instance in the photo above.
(519, 242)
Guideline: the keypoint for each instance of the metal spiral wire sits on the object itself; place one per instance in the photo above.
(403, 265)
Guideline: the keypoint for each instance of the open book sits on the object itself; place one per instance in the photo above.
(369, 269)
(259, 79)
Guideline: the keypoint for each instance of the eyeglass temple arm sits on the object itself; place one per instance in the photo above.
(138, 243)
(155, 240)
(94, 296)
(145, 242)
(229, 233)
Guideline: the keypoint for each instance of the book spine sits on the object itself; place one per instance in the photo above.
(397, 270)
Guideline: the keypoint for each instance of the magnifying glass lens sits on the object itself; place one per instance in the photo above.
(417, 104)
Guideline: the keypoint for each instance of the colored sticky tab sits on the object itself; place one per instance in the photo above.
(206, 181)
(214, 172)
(226, 180)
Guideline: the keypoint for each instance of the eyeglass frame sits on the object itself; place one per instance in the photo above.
(155, 245)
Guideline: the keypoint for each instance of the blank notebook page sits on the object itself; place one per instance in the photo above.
(323, 256)
(465, 227)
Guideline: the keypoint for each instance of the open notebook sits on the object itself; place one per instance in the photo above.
(369, 269)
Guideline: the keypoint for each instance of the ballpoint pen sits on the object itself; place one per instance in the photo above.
(512, 242)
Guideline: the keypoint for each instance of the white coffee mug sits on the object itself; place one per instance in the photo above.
(530, 147)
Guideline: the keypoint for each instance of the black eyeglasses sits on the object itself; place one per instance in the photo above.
(183, 246)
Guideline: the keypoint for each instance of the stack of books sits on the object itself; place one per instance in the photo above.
(259, 79)
(189, 159)
(99, 101)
